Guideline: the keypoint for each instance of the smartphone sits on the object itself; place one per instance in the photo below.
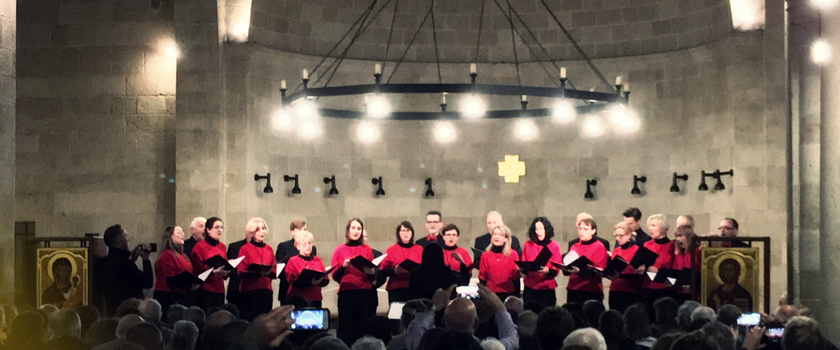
(774, 333)
(468, 292)
(310, 319)
(153, 247)
(751, 319)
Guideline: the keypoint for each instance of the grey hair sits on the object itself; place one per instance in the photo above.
(65, 323)
(150, 309)
(684, 313)
(492, 344)
(368, 343)
(329, 343)
(704, 314)
(185, 336)
(588, 337)
(662, 221)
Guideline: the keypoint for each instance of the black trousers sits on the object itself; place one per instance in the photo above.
(255, 303)
(620, 301)
(576, 296)
(399, 295)
(354, 308)
(206, 300)
(546, 297)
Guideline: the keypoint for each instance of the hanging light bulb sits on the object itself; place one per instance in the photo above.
(310, 129)
(378, 106)
(282, 119)
(445, 132)
(367, 132)
(472, 106)
(525, 130)
(592, 127)
(820, 51)
(305, 109)
(563, 112)
(623, 120)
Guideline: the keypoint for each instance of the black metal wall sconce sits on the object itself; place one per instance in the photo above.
(287, 178)
(429, 191)
(333, 190)
(715, 175)
(589, 184)
(636, 180)
(674, 187)
(267, 177)
(378, 181)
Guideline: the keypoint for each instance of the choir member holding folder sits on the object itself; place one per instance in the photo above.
(585, 283)
(402, 259)
(457, 258)
(686, 242)
(256, 270)
(497, 269)
(305, 272)
(537, 255)
(357, 299)
(626, 286)
(203, 256)
(173, 270)
(664, 250)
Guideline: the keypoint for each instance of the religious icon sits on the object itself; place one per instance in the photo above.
(62, 277)
(730, 276)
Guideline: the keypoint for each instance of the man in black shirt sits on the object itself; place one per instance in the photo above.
(116, 277)
(481, 242)
(197, 232)
(729, 228)
(434, 222)
(633, 216)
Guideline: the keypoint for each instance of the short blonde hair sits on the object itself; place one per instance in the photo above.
(254, 224)
(661, 218)
(304, 236)
(624, 227)
(506, 231)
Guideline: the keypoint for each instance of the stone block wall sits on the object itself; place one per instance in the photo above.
(8, 32)
(95, 117)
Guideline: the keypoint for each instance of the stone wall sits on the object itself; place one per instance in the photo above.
(8, 32)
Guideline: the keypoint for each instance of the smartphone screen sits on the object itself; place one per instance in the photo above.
(468, 292)
(775, 332)
(311, 319)
(750, 319)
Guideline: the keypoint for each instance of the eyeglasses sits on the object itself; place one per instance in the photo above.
(218, 228)
(451, 235)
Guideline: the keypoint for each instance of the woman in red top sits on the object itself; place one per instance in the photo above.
(170, 263)
(659, 244)
(585, 284)
(309, 290)
(212, 292)
(404, 249)
(357, 299)
(626, 286)
(540, 285)
(685, 242)
(457, 258)
(497, 269)
(255, 291)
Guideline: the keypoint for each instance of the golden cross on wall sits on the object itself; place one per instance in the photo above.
(512, 169)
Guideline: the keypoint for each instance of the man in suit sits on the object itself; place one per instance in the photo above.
(434, 222)
(197, 233)
(481, 242)
(633, 216)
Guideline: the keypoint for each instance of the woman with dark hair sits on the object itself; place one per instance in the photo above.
(255, 291)
(497, 269)
(540, 285)
(403, 250)
(356, 297)
(626, 286)
(309, 290)
(585, 284)
(611, 326)
(434, 274)
(170, 263)
(637, 326)
(457, 258)
(212, 292)
(685, 242)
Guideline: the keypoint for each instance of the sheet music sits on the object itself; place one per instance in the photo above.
(280, 267)
(652, 275)
(235, 262)
(379, 259)
(203, 276)
(570, 257)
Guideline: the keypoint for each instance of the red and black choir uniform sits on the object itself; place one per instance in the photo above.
(170, 264)
(357, 299)
(311, 293)
(398, 282)
(255, 290)
(626, 289)
(212, 291)
(465, 269)
(586, 285)
(540, 286)
(651, 291)
(499, 272)
(682, 261)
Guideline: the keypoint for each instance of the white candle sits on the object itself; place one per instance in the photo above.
(562, 72)
(472, 68)
(618, 80)
(524, 98)
(283, 84)
(627, 87)
(443, 98)
(305, 74)
(377, 69)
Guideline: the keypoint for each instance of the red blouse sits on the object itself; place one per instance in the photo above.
(537, 280)
(665, 248)
(396, 255)
(499, 271)
(353, 278)
(170, 264)
(255, 253)
(627, 281)
(595, 251)
(294, 267)
(200, 253)
(453, 264)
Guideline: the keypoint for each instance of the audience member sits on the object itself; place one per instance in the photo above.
(457, 340)
(492, 344)
(696, 340)
(666, 340)
(411, 308)
(88, 314)
(267, 330)
(127, 307)
(120, 342)
(185, 336)
(720, 334)
(701, 316)
(196, 315)
(637, 326)
(378, 327)
(611, 326)
(116, 276)
(368, 343)
(785, 313)
(28, 327)
(175, 313)
(307, 345)
(802, 333)
(212, 328)
(684, 314)
(329, 343)
(588, 337)
(665, 310)
(577, 313)
(102, 331)
(146, 335)
(527, 323)
(514, 306)
(65, 329)
(592, 309)
(151, 311)
(230, 334)
(232, 308)
(553, 325)
(728, 315)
